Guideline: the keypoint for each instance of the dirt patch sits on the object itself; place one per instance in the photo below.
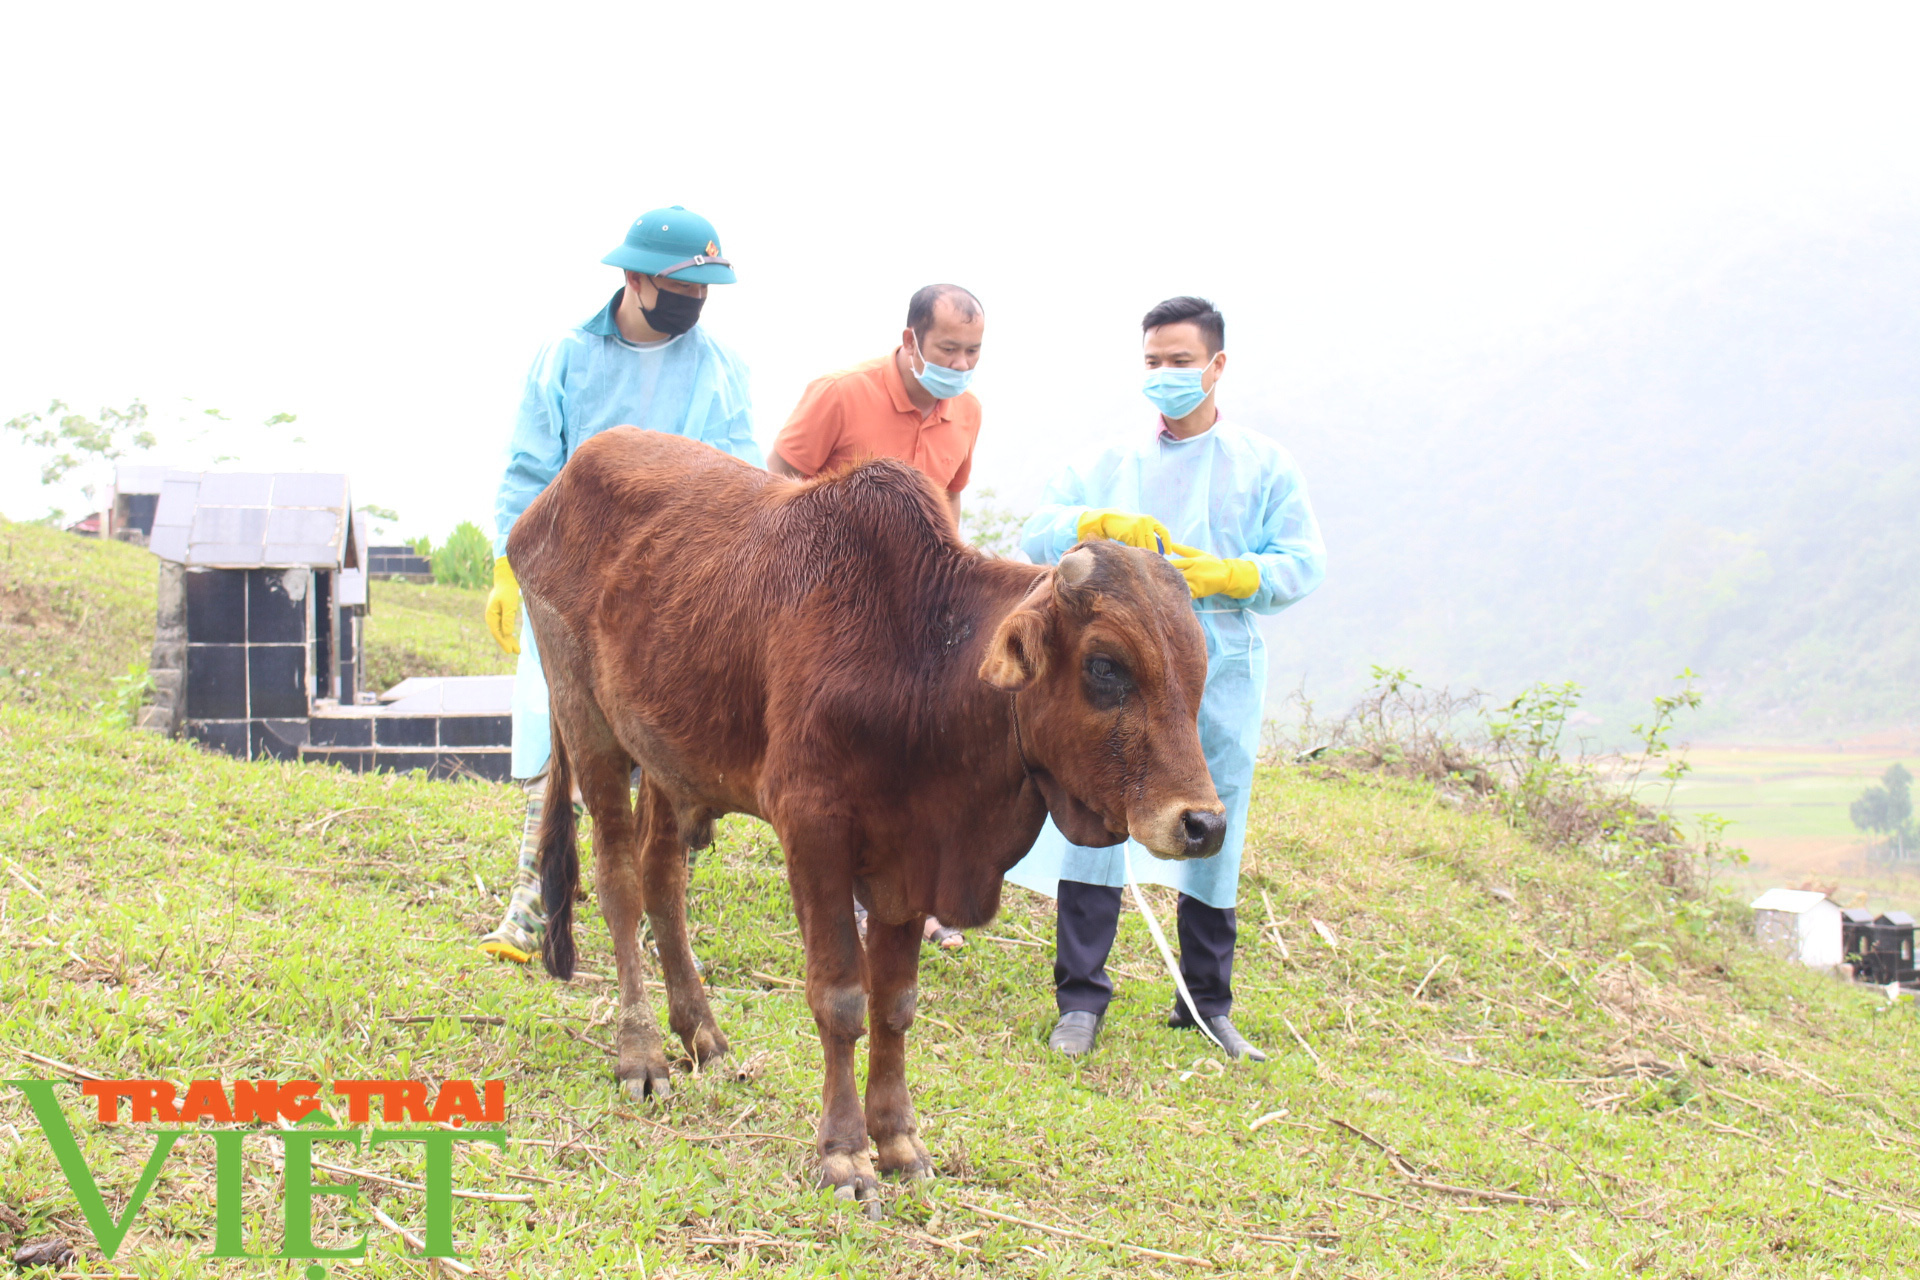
(26, 607)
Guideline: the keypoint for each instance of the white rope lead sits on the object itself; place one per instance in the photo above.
(1166, 952)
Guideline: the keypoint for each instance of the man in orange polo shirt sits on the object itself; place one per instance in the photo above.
(912, 405)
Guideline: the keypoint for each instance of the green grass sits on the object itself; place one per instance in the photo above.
(428, 630)
(74, 613)
(1505, 1019)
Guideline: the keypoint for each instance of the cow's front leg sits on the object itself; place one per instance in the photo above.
(823, 897)
(893, 967)
(641, 1067)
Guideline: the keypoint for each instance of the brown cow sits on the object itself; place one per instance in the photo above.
(830, 657)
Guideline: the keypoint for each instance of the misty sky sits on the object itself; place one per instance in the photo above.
(371, 216)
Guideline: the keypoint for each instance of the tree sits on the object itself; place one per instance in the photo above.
(75, 442)
(1886, 808)
(77, 453)
(379, 518)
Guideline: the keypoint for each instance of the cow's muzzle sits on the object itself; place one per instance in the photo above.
(1182, 831)
(1205, 832)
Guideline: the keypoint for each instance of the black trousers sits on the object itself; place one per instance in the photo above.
(1089, 918)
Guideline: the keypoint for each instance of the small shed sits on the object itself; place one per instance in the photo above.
(136, 497)
(1799, 924)
(1855, 926)
(261, 599)
(1888, 953)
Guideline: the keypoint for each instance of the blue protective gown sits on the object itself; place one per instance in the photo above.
(1235, 493)
(588, 379)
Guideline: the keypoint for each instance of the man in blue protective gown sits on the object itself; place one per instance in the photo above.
(644, 360)
(1231, 509)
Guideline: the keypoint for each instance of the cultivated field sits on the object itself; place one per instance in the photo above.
(1489, 1059)
(1789, 809)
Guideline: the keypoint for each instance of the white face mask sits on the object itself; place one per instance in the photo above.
(941, 382)
(1176, 392)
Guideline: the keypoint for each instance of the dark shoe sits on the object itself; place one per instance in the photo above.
(1236, 1045)
(1075, 1033)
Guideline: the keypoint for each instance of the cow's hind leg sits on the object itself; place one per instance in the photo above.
(893, 967)
(663, 861)
(603, 775)
(819, 873)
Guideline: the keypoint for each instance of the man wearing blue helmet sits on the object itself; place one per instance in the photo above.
(644, 360)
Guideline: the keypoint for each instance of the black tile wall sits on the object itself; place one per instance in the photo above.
(278, 676)
(494, 766)
(476, 731)
(354, 760)
(216, 680)
(341, 731)
(404, 761)
(274, 616)
(229, 736)
(217, 606)
(140, 509)
(405, 731)
(278, 739)
(324, 634)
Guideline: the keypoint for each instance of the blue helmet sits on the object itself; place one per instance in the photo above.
(673, 242)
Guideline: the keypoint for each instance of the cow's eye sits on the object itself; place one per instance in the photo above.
(1107, 681)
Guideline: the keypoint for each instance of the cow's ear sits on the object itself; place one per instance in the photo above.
(1017, 654)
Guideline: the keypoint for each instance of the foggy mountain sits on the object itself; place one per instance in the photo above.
(1725, 477)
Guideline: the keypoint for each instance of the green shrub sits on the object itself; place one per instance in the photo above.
(465, 559)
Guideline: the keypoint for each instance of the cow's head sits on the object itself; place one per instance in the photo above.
(1107, 664)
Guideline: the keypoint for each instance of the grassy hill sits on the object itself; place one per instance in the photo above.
(1490, 1059)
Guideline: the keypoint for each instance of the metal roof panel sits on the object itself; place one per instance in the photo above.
(310, 489)
(235, 489)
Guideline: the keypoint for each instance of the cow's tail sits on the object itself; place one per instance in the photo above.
(559, 862)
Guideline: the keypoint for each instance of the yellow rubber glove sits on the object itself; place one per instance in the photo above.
(1123, 526)
(503, 607)
(1209, 575)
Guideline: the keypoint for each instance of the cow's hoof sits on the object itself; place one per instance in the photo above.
(646, 1086)
(904, 1157)
(851, 1176)
(707, 1046)
(871, 1205)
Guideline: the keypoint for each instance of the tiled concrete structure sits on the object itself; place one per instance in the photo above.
(400, 562)
(258, 647)
(261, 601)
(452, 727)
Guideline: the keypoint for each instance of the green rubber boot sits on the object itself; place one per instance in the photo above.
(517, 937)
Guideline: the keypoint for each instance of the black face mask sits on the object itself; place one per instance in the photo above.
(672, 313)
